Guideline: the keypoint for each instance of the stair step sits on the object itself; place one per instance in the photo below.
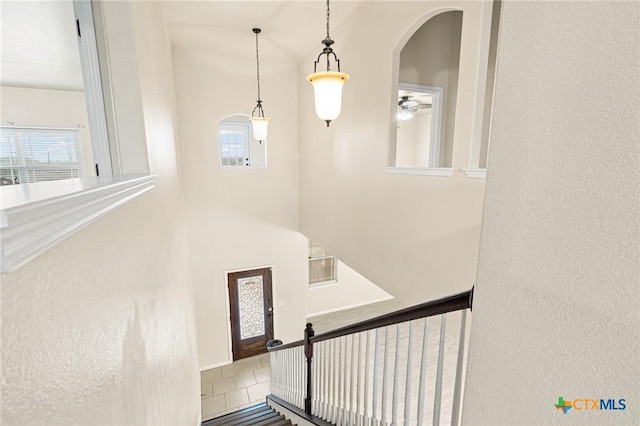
(275, 420)
(258, 415)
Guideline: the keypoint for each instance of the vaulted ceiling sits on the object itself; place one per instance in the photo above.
(39, 47)
(290, 28)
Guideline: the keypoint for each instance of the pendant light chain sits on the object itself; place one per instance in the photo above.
(258, 65)
(258, 121)
(328, 16)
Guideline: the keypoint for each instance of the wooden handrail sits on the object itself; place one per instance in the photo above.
(451, 303)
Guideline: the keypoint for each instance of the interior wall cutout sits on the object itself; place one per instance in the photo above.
(431, 57)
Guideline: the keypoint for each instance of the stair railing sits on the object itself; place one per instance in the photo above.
(381, 371)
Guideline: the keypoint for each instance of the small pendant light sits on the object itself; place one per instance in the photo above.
(259, 122)
(327, 85)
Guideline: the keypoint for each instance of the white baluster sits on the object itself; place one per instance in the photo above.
(294, 376)
(374, 396)
(396, 380)
(348, 354)
(385, 375)
(407, 392)
(455, 413)
(315, 380)
(355, 356)
(325, 379)
(330, 374)
(336, 409)
(423, 374)
(343, 382)
(273, 361)
(437, 401)
(284, 355)
(302, 377)
(362, 367)
(367, 405)
(289, 376)
(285, 368)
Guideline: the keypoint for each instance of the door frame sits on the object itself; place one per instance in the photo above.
(226, 273)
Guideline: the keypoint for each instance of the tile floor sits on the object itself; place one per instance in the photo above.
(231, 387)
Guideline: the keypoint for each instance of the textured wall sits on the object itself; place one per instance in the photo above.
(247, 218)
(557, 306)
(101, 329)
(414, 236)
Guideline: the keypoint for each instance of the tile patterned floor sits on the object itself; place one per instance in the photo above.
(238, 385)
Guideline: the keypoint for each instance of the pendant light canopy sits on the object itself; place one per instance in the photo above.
(259, 122)
(327, 85)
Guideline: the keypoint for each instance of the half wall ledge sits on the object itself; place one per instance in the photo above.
(35, 217)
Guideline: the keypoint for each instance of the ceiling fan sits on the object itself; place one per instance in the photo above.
(406, 107)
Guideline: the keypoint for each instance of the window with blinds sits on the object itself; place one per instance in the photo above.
(38, 154)
(322, 265)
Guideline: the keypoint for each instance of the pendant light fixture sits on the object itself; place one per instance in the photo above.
(327, 85)
(259, 122)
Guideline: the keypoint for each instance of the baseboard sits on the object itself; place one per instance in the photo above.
(220, 364)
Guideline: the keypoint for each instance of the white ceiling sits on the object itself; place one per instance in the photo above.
(290, 29)
(420, 97)
(39, 46)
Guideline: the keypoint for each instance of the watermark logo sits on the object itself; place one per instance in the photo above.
(588, 404)
(563, 405)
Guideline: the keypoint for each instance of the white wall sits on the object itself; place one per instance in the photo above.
(350, 290)
(414, 236)
(101, 328)
(238, 219)
(26, 107)
(413, 140)
(557, 304)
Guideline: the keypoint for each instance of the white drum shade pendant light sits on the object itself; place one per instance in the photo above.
(259, 122)
(327, 85)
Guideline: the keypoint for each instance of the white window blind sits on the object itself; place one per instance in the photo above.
(29, 155)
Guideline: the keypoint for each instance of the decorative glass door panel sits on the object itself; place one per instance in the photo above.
(250, 305)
